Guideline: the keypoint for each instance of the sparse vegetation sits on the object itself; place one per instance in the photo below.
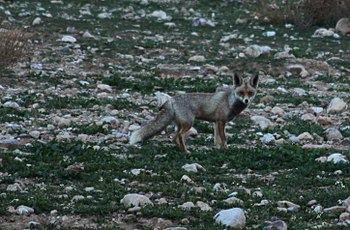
(61, 157)
(304, 13)
(13, 47)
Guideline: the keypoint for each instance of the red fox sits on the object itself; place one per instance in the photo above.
(219, 107)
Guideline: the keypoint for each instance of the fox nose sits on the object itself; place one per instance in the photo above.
(246, 101)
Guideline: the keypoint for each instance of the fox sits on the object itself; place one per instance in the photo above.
(219, 107)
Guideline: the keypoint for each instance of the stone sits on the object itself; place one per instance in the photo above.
(305, 136)
(256, 50)
(11, 104)
(346, 202)
(35, 134)
(344, 216)
(333, 134)
(187, 179)
(337, 158)
(308, 117)
(322, 120)
(268, 138)
(277, 110)
(336, 105)
(336, 208)
(24, 210)
(36, 21)
(323, 32)
(197, 58)
(233, 217)
(276, 224)
(68, 39)
(234, 201)
(194, 167)
(289, 205)
(203, 206)
(175, 228)
(63, 122)
(343, 25)
(298, 69)
(187, 206)
(135, 200)
(160, 14)
(105, 88)
(78, 198)
(263, 122)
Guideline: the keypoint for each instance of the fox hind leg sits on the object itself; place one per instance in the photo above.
(180, 136)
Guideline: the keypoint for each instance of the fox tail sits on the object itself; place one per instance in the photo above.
(164, 118)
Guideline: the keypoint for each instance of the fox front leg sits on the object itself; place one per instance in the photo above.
(219, 135)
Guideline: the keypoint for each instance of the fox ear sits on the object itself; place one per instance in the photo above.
(254, 80)
(237, 80)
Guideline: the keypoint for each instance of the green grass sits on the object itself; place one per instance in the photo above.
(291, 163)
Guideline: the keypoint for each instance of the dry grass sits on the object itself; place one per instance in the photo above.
(304, 13)
(13, 47)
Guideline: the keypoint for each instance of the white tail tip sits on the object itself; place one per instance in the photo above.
(135, 138)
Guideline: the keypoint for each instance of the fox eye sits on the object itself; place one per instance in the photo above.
(250, 94)
(241, 94)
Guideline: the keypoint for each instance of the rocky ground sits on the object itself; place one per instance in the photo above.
(89, 80)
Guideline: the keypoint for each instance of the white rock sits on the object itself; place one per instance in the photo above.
(78, 198)
(187, 206)
(263, 122)
(135, 200)
(323, 32)
(289, 205)
(197, 58)
(175, 228)
(160, 14)
(256, 50)
(333, 134)
(194, 167)
(221, 187)
(109, 120)
(11, 104)
(337, 158)
(203, 206)
(104, 15)
(234, 201)
(277, 110)
(298, 92)
(105, 88)
(317, 110)
(187, 179)
(305, 136)
(234, 218)
(14, 187)
(136, 172)
(36, 21)
(24, 210)
(336, 105)
(308, 117)
(276, 224)
(63, 122)
(343, 25)
(268, 138)
(87, 34)
(69, 39)
(35, 134)
(318, 209)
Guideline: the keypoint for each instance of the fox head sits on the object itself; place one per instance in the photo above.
(245, 89)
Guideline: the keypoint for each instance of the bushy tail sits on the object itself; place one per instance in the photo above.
(163, 119)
